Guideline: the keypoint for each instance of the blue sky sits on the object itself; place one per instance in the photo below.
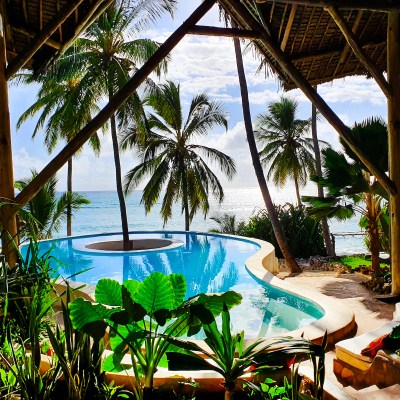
(199, 64)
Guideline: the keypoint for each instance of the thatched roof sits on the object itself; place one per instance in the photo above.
(26, 20)
(311, 38)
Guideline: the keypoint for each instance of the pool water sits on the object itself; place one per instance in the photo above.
(210, 263)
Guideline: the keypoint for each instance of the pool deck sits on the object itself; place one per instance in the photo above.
(370, 313)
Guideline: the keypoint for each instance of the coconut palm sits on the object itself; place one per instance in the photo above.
(287, 150)
(47, 210)
(64, 112)
(171, 156)
(110, 52)
(276, 224)
(351, 187)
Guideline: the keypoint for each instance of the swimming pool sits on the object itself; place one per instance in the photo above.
(211, 263)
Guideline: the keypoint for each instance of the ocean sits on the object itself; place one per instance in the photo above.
(102, 215)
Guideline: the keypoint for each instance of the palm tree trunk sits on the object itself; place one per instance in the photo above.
(69, 190)
(276, 225)
(373, 232)
(330, 248)
(296, 185)
(118, 179)
(185, 199)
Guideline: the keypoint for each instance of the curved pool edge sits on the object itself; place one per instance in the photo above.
(338, 322)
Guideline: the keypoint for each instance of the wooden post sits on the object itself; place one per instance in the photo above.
(393, 66)
(8, 221)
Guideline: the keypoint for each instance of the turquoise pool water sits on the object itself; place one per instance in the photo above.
(210, 263)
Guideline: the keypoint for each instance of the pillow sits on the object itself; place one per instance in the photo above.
(374, 346)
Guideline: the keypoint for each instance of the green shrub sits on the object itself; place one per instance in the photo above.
(303, 233)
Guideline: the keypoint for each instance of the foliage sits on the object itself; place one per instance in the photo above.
(356, 261)
(228, 225)
(171, 157)
(302, 232)
(231, 359)
(141, 316)
(351, 187)
(47, 210)
(287, 150)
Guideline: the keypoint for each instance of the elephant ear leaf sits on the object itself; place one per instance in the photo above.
(90, 318)
(109, 292)
(155, 293)
(178, 282)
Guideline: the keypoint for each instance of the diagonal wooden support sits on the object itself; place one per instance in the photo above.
(115, 102)
(373, 5)
(302, 83)
(20, 61)
(359, 51)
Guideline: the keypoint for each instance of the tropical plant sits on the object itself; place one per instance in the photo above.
(172, 158)
(64, 112)
(277, 226)
(302, 231)
(141, 318)
(109, 53)
(78, 356)
(47, 210)
(286, 148)
(227, 224)
(230, 358)
(352, 189)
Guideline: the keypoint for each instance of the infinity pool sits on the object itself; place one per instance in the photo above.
(210, 263)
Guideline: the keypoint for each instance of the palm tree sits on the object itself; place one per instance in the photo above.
(352, 189)
(276, 224)
(171, 157)
(287, 150)
(47, 209)
(110, 52)
(64, 112)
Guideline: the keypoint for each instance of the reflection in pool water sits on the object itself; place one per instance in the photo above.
(210, 263)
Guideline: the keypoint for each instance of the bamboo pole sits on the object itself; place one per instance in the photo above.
(359, 51)
(8, 221)
(393, 63)
(287, 66)
(120, 97)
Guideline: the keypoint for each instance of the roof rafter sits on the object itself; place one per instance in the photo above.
(225, 32)
(20, 61)
(359, 51)
(374, 5)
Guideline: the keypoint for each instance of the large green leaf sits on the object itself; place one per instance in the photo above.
(178, 282)
(90, 318)
(156, 292)
(108, 291)
(132, 286)
(189, 362)
(135, 311)
(112, 363)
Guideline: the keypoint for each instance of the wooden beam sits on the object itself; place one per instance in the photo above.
(115, 102)
(287, 66)
(27, 32)
(225, 32)
(393, 63)
(8, 222)
(359, 51)
(288, 27)
(42, 37)
(373, 5)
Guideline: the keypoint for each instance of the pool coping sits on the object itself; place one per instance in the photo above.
(337, 321)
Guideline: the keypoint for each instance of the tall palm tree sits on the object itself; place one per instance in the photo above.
(47, 209)
(64, 112)
(287, 150)
(276, 225)
(111, 52)
(171, 157)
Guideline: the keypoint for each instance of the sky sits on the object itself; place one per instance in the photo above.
(198, 64)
